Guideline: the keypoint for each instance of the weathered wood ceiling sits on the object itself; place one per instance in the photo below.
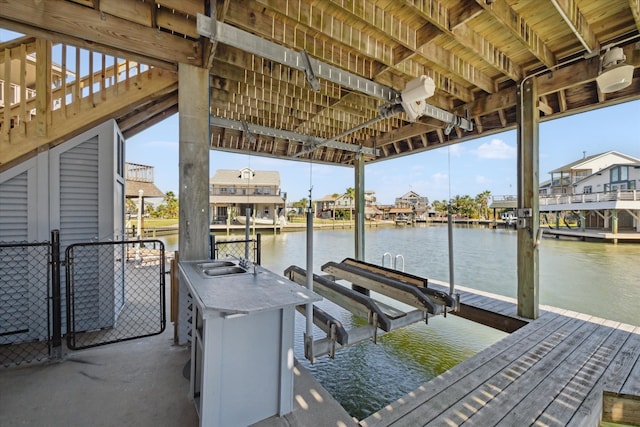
(476, 51)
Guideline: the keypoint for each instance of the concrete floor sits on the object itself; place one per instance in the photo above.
(135, 383)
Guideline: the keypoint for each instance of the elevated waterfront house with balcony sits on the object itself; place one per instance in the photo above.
(231, 192)
(600, 189)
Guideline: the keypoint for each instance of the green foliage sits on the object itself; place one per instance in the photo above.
(168, 209)
(301, 204)
(465, 206)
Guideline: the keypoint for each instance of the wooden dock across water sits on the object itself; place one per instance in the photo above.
(563, 369)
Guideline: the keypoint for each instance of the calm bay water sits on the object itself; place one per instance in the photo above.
(595, 278)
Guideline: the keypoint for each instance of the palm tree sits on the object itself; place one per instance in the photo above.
(351, 195)
(172, 204)
(482, 200)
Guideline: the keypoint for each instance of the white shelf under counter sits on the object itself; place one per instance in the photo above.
(242, 343)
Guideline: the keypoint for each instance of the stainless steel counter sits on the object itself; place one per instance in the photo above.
(242, 292)
(242, 322)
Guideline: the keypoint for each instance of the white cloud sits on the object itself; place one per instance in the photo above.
(496, 149)
(439, 178)
(456, 150)
(483, 179)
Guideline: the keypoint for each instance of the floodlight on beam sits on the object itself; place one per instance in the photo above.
(414, 103)
(614, 73)
(415, 94)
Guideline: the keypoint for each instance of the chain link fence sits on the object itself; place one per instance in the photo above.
(25, 301)
(115, 292)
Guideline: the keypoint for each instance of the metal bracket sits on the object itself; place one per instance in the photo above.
(293, 136)
(525, 212)
(247, 132)
(308, 71)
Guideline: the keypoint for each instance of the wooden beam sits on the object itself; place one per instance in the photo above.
(478, 122)
(147, 123)
(177, 22)
(528, 178)
(134, 11)
(562, 101)
(437, 14)
(188, 7)
(69, 19)
(503, 118)
(519, 27)
(463, 12)
(635, 11)
(144, 114)
(542, 105)
(575, 19)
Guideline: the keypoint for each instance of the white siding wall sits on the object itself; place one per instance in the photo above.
(74, 187)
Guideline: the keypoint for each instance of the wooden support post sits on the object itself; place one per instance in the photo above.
(193, 101)
(528, 178)
(43, 87)
(6, 96)
(359, 223)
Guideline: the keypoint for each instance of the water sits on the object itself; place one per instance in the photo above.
(595, 278)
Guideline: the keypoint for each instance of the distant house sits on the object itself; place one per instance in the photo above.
(232, 192)
(600, 189)
(564, 177)
(419, 205)
(325, 207)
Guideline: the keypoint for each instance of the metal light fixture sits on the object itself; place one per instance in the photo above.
(614, 73)
(416, 92)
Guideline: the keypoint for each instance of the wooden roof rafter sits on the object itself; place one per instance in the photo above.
(371, 49)
(517, 25)
(438, 16)
(575, 19)
(635, 11)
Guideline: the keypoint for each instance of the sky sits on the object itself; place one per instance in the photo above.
(468, 168)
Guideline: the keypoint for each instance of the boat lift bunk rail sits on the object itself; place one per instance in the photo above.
(404, 287)
(411, 291)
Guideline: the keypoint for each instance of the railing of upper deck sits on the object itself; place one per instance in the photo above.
(611, 196)
(43, 82)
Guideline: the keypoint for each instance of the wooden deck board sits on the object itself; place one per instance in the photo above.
(552, 371)
(632, 383)
(494, 397)
(586, 382)
(399, 409)
(558, 393)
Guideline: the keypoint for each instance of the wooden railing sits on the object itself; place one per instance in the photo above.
(611, 196)
(49, 91)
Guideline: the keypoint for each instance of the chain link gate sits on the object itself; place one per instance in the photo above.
(115, 292)
(26, 302)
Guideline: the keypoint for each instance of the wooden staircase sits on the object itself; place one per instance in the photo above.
(50, 93)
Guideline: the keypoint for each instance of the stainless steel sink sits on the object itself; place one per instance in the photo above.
(216, 264)
(223, 270)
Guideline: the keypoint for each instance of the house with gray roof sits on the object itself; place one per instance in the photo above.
(232, 192)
